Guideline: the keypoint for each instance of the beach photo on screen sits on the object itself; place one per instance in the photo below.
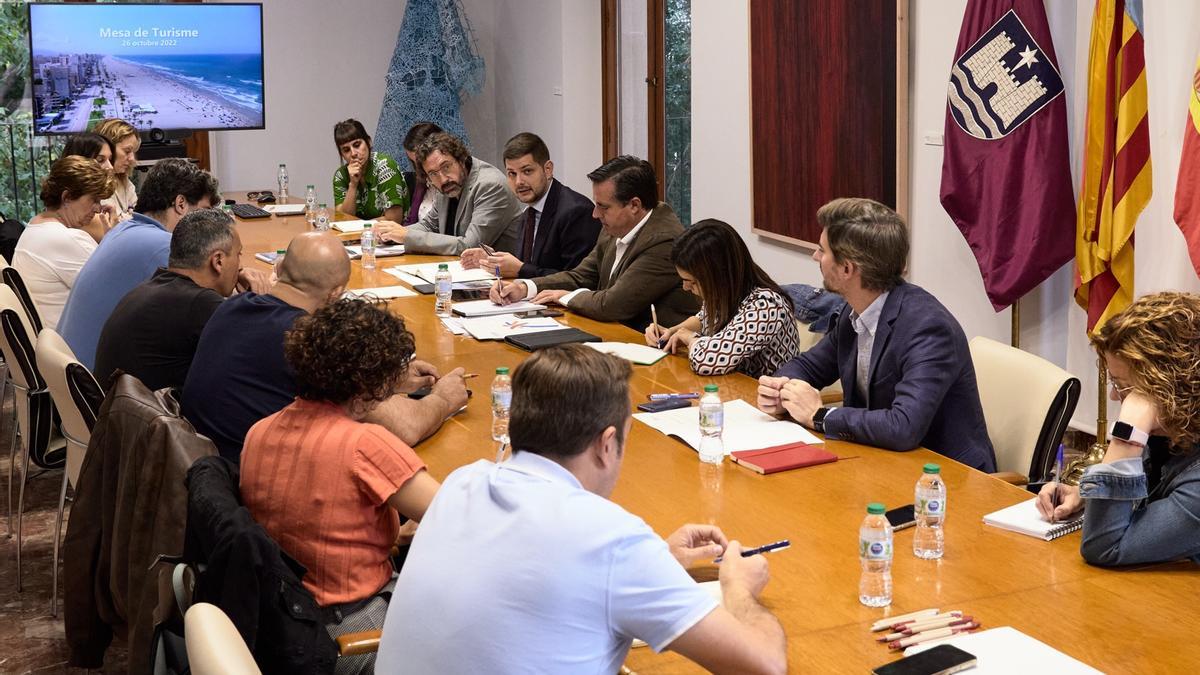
(170, 67)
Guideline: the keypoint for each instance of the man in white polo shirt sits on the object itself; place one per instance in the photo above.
(526, 566)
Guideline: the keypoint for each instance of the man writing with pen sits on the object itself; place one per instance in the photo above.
(629, 268)
(531, 568)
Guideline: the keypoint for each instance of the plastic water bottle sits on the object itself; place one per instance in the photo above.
(310, 204)
(367, 242)
(712, 424)
(443, 288)
(501, 403)
(277, 266)
(283, 185)
(875, 554)
(322, 221)
(929, 505)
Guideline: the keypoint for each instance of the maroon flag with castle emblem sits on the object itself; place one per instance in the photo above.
(1006, 168)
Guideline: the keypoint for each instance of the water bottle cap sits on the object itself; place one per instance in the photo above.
(311, 187)
(446, 266)
(366, 226)
(875, 508)
(281, 251)
(710, 387)
(322, 204)
(282, 164)
(502, 370)
(932, 468)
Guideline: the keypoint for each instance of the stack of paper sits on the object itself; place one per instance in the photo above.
(1008, 650)
(643, 355)
(285, 209)
(389, 251)
(500, 326)
(382, 292)
(350, 225)
(746, 427)
(489, 308)
(1026, 519)
(428, 271)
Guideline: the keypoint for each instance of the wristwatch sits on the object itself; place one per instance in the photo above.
(819, 419)
(1130, 434)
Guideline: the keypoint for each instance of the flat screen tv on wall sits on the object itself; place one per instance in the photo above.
(175, 67)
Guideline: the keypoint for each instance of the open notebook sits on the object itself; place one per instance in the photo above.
(642, 355)
(1024, 518)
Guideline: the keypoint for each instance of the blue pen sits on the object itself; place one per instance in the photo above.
(668, 397)
(767, 548)
(1058, 467)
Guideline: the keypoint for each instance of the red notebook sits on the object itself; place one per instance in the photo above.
(783, 457)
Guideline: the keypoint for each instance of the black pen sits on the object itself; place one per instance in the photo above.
(766, 548)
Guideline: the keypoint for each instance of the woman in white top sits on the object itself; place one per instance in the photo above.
(54, 246)
(125, 141)
(100, 149)
(746, 322)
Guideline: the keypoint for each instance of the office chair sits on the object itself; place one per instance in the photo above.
(1027, 403)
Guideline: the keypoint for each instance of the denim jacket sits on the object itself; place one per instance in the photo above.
(814, 306)
(1142, 512)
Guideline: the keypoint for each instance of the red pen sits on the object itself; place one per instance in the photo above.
(930, 635)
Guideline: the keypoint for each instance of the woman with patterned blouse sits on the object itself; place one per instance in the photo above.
(368, 184)
(745, 323)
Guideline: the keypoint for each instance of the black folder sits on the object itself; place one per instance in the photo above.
(548, 338)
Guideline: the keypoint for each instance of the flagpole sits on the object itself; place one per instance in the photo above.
(1016, 323)
(1074, 469)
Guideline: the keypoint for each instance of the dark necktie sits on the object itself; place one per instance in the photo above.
(451, 215)
(527, 235)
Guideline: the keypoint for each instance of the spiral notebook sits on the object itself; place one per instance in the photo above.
(1025, 519)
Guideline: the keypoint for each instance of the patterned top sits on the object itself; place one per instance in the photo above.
(382, 187)
(759, 338)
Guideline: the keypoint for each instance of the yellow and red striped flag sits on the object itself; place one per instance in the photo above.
(1116, 161)
(1187, 189)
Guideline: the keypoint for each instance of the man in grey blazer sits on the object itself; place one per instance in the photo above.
(630, 267)
(473, 205)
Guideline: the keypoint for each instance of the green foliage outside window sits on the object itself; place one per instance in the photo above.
(678, 95)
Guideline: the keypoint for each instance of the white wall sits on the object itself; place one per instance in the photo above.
(1052, 325)
(325, 62)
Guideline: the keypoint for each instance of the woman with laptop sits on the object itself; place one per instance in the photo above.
(745, 324)
(1142, 500)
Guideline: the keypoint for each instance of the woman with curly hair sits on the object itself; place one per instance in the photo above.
(1142, 501)
(329, 488)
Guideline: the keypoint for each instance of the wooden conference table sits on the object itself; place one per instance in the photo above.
(1131, 621)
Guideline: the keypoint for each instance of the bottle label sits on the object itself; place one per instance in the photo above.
(501, 399)
(931, 507)
(444, 287)
(874, 550)
(712, 418)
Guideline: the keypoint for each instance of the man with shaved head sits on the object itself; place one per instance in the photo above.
(239, 375)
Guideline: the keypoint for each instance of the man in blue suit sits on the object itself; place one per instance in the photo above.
(902, 358)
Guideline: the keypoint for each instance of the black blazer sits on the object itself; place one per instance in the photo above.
(566, 234)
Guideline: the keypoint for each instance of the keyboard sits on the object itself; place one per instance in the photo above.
(248, 211)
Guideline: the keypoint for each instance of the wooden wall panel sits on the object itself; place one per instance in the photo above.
(824, 113)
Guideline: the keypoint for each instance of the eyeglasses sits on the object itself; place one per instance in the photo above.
(443, 170)
(1116, 385)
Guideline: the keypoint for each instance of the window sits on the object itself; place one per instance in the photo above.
(647, 90)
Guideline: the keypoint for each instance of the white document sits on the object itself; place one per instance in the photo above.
(746, 427)
(284, 209)
(475, 308)
(643, 355)
(382, 292)
(406, 277)
(389, 251)
(500, 326)
(428, 271)
(454, 326)
(1008, 650)
(350, 225)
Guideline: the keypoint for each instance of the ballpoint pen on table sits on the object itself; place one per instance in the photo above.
(667, 397)
(654, 322)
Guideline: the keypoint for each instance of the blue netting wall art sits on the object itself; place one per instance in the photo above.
(435, 65)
